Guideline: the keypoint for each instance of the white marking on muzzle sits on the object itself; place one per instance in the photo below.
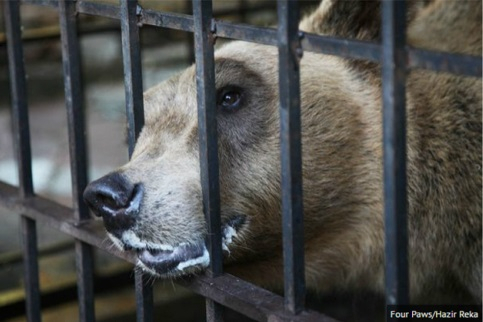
(131, 239)
(203, 260)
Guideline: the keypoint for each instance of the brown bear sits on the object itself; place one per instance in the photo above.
(153, 204)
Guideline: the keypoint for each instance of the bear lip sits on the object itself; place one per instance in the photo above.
(174, 260)
(164, 261)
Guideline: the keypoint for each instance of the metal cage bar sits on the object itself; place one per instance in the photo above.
(18, 88)
(21, 129)
(417, 58)
(133, 80)
(133, 84)
(208, 141)
(394, 142)
(291, 154)
(144, 297)
(31, 268)
(78, 152)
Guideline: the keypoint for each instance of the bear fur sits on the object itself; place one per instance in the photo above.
(342, 161)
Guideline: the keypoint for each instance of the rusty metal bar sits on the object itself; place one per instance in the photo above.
(291, 155)
(18, 87)
(78, 152)
(253, 301)
(61, 218)
(133, 79)
(208, 141)
(417, 58)
(21, 130)
(205, 78)
(133, 84)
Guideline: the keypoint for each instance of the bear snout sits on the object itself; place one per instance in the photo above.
(116, 200)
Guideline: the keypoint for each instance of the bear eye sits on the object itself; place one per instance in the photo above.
(229, 98)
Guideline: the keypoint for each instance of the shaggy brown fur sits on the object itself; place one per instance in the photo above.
(342, 167)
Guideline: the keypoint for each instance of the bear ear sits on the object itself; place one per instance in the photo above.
(356, 19)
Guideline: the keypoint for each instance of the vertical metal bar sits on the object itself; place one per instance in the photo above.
(31, 269)
(188, 9)
(77, 150)
(85, 277)
(133, 85)
(208, 141)
(144, 297)
(19, 97)
(394, 131)
(21, 130)
(74, 98)
(133, 81)
(291, 154)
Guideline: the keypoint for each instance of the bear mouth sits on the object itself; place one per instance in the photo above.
(185, 258)
(164, 262)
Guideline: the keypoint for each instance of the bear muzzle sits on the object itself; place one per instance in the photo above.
(118, 201)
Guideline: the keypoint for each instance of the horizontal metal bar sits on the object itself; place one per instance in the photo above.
(452, 63)
(355, 49)
(254, 302)
(99, 9)
(260, 35)
(177, 21)
(227, 290)
(61, 218)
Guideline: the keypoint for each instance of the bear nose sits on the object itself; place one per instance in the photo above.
(116, 200)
